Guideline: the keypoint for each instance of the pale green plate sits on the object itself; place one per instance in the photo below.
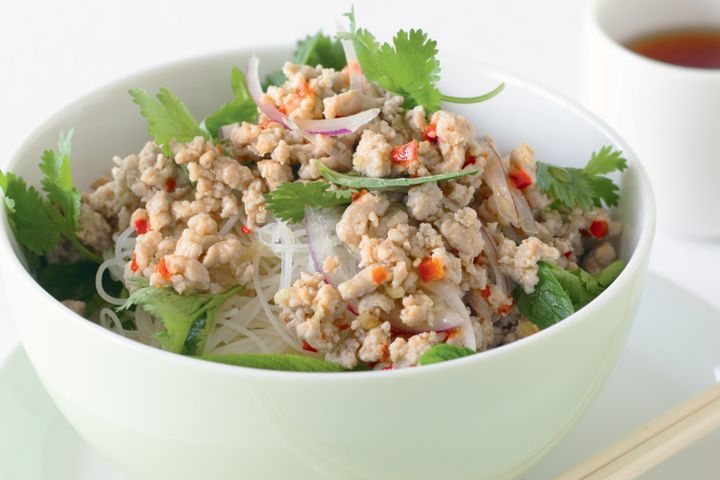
(673, 352)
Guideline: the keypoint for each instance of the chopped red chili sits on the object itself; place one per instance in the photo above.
(599, 228)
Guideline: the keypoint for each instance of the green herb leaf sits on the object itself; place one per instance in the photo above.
(34, 227)
(241, 109)
(318, 49)
(408, 67)
(605, 160)
(58, 182)
(39, 222)
(443, 352)
(583, 188)
(372, 183)
(285, 362)
(548, 304)
(54, 277)
(288, 201)
(177, 312)
(610, 273)
(168, 118)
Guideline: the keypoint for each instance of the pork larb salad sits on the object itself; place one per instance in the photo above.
(332, 216)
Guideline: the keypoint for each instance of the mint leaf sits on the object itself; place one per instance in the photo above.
(288, 201)
(372, 183)
(177, 312)
(168, 118)
(548, 303)
(442, 352)
(241, 109)
(610, 273)
(284, 362)
(578, 286)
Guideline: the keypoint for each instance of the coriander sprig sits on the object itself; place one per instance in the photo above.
(407, 67)
(288, 201)
(39, 223)
(187, 318)
(583, 187)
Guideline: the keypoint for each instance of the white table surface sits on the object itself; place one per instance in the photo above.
(52, 52)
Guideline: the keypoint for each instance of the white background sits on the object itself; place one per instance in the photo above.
(52, 52)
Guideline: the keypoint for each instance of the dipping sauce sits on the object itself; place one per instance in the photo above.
(698, 48)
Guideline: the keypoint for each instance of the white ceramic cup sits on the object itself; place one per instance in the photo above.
(670, 115)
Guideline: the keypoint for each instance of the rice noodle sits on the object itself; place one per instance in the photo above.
(248, 322)
(106, 265)
(229, 225)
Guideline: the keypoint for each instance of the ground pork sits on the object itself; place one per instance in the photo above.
(519, 262)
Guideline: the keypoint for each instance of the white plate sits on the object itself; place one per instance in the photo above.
(673, 352)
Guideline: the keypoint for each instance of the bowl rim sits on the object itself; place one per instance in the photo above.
(646, 227)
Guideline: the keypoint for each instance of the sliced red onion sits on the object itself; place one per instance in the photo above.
(496, 178)
(491, 254)
(512, 205)
(357, 79)
(526, 219)
(256, 92)
(226, 130)
(479, 304)
(337, 126)
(451, 295)
(445, 321)
(323, 243)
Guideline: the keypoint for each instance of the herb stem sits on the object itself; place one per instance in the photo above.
(83, 249)
(479, 98)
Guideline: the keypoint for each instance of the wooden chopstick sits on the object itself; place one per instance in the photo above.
(654, 442)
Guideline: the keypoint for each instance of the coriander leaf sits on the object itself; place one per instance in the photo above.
(408, 67)
(548, 303)
(288, 201)
(34, 227)
(241, 109)
(568, 187)
(39, 223)
(168, 118)
(583, 188)
(9, 202)
(56, 164)
(605, 160)
(176, 312)
(442, 352)
(266, 361)
(372, 183)
(58, 182)
(604, 190)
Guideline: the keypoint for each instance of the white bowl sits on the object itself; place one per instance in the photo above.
(159, 415)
